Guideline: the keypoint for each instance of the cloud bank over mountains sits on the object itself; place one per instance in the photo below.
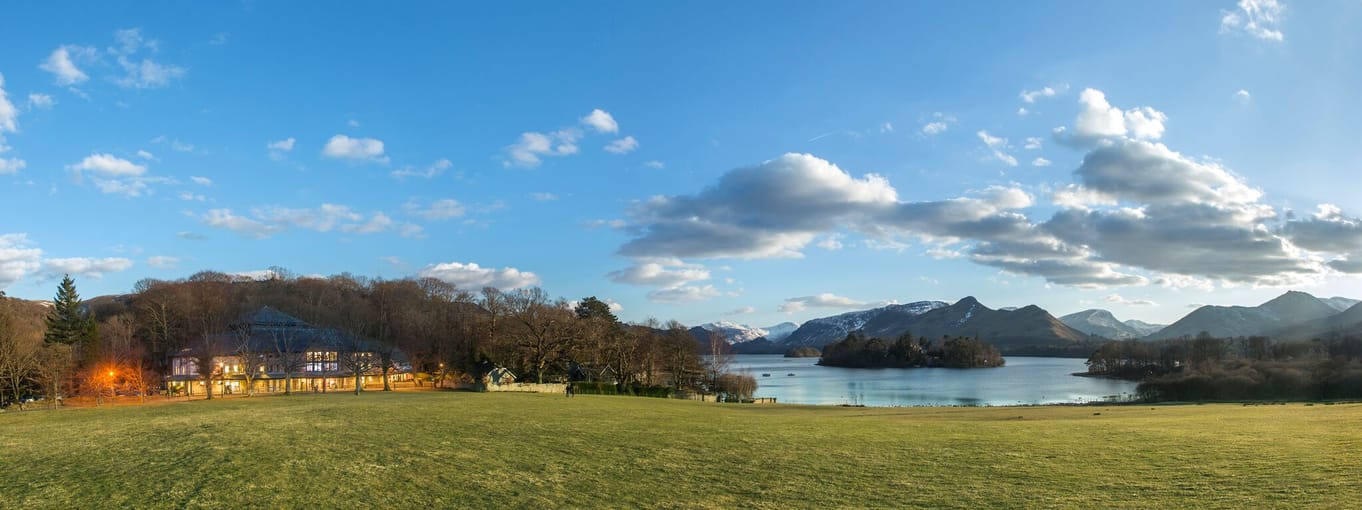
(1136, 213)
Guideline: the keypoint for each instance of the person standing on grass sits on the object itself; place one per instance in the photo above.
(569, 389)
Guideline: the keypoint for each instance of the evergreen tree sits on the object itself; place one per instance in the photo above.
(65, 324)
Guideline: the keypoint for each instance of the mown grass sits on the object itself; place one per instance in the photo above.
(467, 450)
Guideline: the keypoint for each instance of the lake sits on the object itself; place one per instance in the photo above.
(1024, 380)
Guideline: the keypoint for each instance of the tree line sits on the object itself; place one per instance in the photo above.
(858, 351)
(445, 334)
(1249, 368)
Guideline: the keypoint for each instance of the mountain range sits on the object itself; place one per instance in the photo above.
(1024, 329)
(1032, 330)
(1102, 323)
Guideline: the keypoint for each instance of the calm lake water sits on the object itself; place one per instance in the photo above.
(1022, 381)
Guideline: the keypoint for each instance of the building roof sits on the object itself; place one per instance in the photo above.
(269, 330)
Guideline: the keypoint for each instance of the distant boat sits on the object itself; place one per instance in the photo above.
(766, 375)
(791, 374)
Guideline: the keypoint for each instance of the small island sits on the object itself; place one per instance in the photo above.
(857, 351)
(803, 352)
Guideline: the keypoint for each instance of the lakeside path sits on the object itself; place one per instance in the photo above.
(471, 450)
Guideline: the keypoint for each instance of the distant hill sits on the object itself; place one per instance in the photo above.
(736, 334)
(1028, 329)
(823, 331)
(1102, 323)
(1267, 319)
(1348, 322)
(1016, 330)
(1341, 303)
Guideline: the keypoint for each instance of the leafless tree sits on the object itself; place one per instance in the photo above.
(204, 354)
(290, 350)
(18, 353)
(249, 353)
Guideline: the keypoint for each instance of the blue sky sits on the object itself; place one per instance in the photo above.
(755, 162)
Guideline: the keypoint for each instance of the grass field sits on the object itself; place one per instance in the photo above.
(469, 450)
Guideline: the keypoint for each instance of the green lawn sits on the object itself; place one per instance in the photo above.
(469, 450)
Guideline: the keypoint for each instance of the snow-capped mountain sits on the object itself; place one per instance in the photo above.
(780, 331)
(820, 332)
(1102, 323)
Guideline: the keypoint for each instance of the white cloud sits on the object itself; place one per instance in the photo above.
(147, 74)
(1040, 162)
(1099, 119)
(439, 210)
(10, 166)
(223, 218)
(471, 276)
(1243, 96)
(601, 121)
(1258, 18)
(201, 181)
(887, 127)
(684, 294)
(831, 243)
(664, 273)
(9, 115)
(62, 64)
(355, 149)
(218, 39)
(163, 262)
(934, 128)
(85, 266)
(1030, 96)
(125, 187)
(109, 165)
(544, 197)
(824, 300)
(1120, 300)
(146, 155)
(654, 164)
(412, 231)
(378, 222)
(191, 197)
(40, 101)
(622, 146)
(1022, 112)
(428, 172)
(1032, 143)
(532, 145)
(997, 145)
(280, 147)
(18, 258)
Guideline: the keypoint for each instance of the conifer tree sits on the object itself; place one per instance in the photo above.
(65, 324)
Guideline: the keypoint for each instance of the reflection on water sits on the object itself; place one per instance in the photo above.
(1022, 381)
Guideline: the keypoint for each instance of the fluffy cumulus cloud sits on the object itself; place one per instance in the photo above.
(108, 165)
(1099, 119)
(85, 266)
(18, 258)
(9, 115)
(354, 149)
(471, 276)
(601, 121)
(532, 146)
(666, 274)
(1257, 18)
(1137, 213)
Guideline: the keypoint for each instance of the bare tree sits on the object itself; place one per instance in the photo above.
(545, 331)
(249, 353)
(18, 353)
(53, 369)
(357, 359)
(204, 356)
(290, 349)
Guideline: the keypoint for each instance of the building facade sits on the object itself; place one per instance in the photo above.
(271, 351)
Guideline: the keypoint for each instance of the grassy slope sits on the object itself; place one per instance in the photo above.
(446, 450)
